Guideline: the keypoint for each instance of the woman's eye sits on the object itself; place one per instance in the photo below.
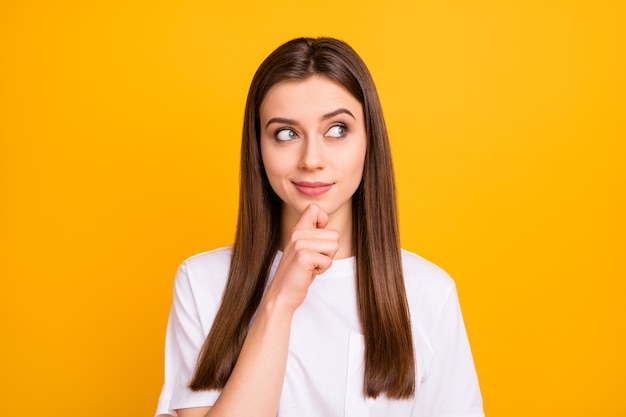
(337, 131)
(286, 134)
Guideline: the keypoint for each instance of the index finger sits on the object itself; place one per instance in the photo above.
(312, 218)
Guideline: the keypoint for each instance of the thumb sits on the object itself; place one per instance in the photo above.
(312, 218)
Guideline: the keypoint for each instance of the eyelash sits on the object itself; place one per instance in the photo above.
(343, 126)
(285, 129)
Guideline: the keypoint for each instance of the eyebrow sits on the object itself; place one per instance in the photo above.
(324, 117)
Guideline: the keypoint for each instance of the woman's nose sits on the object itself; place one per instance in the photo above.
(312, 154)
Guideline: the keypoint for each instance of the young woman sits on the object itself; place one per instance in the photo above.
(315, 310)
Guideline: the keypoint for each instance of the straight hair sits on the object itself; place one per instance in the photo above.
(389, 366)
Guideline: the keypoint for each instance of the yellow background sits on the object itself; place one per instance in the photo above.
(120, 125)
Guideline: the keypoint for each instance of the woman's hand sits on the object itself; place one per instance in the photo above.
(309, 251)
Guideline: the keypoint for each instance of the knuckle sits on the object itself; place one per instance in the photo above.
(303, 257)
(298, 245)
(325, 263)
(296, 236)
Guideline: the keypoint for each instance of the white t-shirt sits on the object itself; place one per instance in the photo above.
(324, 374)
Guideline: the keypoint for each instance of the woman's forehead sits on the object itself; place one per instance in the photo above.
(314, 96)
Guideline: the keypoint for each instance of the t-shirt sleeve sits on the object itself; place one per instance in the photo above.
(184, 339)
(450, 387)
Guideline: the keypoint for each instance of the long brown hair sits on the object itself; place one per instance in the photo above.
(383, 308)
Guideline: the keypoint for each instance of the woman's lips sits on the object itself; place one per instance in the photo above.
(312, 188)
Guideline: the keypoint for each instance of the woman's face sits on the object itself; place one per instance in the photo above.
(313, 144)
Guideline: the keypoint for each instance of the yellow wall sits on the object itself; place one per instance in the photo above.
(119, 132)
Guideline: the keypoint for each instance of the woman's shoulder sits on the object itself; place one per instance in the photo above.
(215, 257)
(428, 290)
(424, 278)
(200, 267)
(198, 287)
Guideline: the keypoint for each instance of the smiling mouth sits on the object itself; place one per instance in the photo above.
(312, 188)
